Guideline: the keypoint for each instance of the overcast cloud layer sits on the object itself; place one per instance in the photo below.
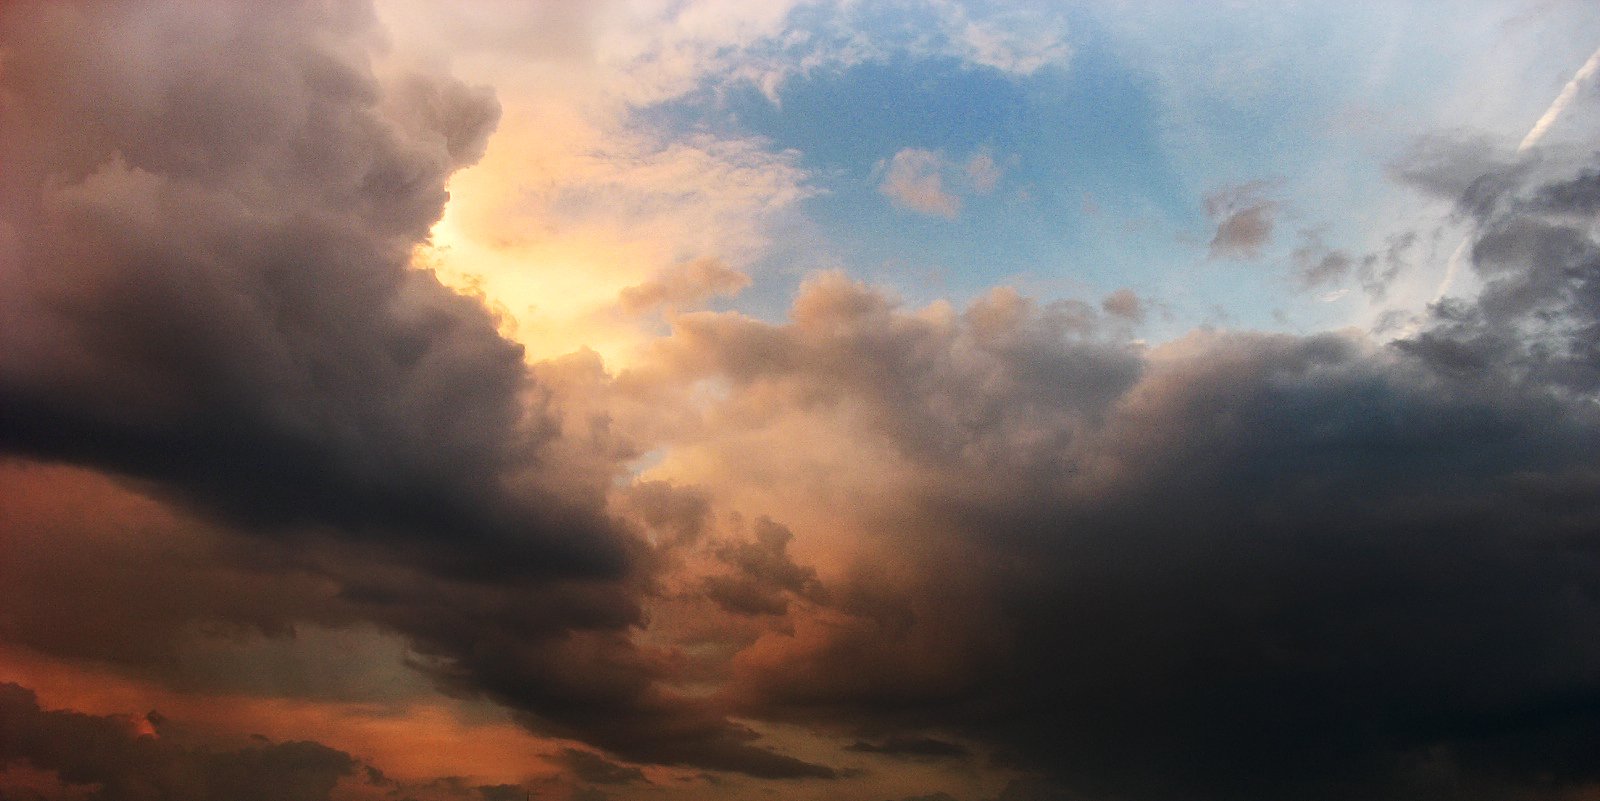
(278, 455)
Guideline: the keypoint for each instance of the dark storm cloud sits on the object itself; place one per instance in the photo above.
(1580, 195)
(207, 281)
(1244, 566)
(207, 216)
(155, 575)
(1235, 567)
(1317, 577)
(1537, 317)
(1029, 789)
(124, 763)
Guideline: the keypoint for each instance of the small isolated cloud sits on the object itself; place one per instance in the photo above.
(927, 182)
(916, 182)
(1317, 265)
(1125, 304)
(1244, 217)
(983, 174)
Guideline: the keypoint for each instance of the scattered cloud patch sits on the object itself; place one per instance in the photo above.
(1244, 215)
(1126, 304)
(1019, 40)
(915, 181)
(983, 174)
(928, 182)
(1317, 265)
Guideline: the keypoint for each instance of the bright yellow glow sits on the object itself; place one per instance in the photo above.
(569, 207)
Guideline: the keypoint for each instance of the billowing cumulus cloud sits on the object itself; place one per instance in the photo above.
(219, 249)
(860, 548)
(1535, 318)
(1256, 565)
(208, 291)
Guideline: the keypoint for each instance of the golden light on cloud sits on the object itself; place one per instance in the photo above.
(819, 400)
(568, 211)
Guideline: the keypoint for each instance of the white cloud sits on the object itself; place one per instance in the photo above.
(927, 182)
(915, 181)
(1018, 42)
(983, 174)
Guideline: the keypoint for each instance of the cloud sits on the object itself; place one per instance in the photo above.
(915, 181)
(683, 285)
(1379, 270)
(927, 182)
(764, 577)
(1317, 265)
(983, 174)
(215, 300)
(1534, 319)
(128, 761)
(1125, 304)
(1255, 565)
(158, 575)
(595, 769)
(910, 747)
(1016, 40)
(1250, 565)
(1244, 217)
(230, 274)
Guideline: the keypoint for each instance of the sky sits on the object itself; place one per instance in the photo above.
(871, 400)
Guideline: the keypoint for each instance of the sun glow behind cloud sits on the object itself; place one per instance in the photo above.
(823, 400)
